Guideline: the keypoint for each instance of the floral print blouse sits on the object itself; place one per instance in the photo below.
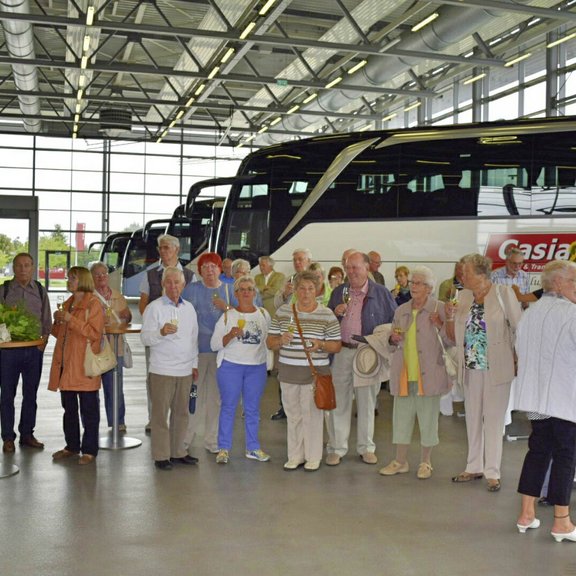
(475, 341)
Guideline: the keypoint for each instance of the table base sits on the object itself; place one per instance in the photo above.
(7, 469)
(123, 443)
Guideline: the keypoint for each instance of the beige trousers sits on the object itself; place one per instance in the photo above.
(486, 407)
(169, 415)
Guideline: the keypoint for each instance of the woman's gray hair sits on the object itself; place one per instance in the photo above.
(481, 264)
(307, 275)
(554, 270)
(95, 265)
(268, 259)
(168, 239)
(246, 279)
(316, 267)
(426, 273)
(240, 263)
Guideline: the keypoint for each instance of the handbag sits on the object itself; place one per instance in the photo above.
(97, 364)
(127, 360)
(450, 358)
(324, 393)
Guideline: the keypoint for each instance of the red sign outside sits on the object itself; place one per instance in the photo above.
(538, 249)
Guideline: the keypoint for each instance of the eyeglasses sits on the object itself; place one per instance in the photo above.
(245, 290)
(101, 275)
(208, 266)
(412, 283)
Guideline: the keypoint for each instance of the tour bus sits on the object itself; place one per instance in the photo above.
(426, 195)
(112, 254)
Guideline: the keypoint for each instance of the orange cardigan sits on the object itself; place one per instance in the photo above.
(67, 371)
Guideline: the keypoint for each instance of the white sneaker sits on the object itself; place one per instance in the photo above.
(293, 464)
(312, 465)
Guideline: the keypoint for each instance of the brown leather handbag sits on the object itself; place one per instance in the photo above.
(324, 393)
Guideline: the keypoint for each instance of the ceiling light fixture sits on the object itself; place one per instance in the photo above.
(275, 121)
(389, 117)
(293, 109)
(266, 7)
(215, 71)
(199, 90)
(227, 56)
(425, 22)
(357, 67)
(363, 129)
(180, 114)
(474, 78)
(79, 94)
(83, 62)
(78, 107)
(76, 118)
(189, 102)
(518, 59)
(250, 138)
(412, 106)
(561, 40)
(81, 81)
(310, 98)
(90, 15)
(263, 129)
(86, 43)
(247, 30)
(172, 124)
(333, 83)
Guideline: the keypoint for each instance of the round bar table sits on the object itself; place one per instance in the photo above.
(7, 469)
(113, 440)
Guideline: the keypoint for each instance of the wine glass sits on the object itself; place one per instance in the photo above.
(346, 297)
(174, 318)
(241, 323)
(291, 327)
(60, 302)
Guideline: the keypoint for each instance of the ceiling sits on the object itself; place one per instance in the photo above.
(154, 70)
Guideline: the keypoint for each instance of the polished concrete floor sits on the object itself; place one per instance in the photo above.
(122, 517)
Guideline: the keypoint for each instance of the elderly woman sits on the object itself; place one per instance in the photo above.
(324, 291)
(240, 340)
(545, 390)
(80, 321)
(116, 311)
(321, 336)
(335, 277)
(418, 378)
(211, 298)
(483, 326)
(240, 268)
(401, 291)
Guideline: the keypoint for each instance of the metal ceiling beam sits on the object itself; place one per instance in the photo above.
(241, 78)
(163, 32)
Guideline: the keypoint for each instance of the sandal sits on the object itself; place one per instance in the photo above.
(466, 477)
(493, 485)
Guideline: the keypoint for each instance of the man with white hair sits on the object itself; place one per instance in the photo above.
(151, 287)
(170, 330)
(268, 283)
(361, 305)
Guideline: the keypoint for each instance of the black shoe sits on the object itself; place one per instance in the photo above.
(163, 464)
(184, 460)
(280, 415)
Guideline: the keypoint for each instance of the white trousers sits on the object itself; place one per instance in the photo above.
(339, 419)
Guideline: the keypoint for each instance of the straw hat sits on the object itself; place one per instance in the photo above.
(367, 362)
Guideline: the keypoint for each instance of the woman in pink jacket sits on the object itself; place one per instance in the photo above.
(81, 320)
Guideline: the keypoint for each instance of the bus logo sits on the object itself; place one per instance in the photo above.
(538, 249)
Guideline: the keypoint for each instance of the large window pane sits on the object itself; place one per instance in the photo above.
(535, 98)
(126, 182)
(15, 158)
(159, 184)
(54, 179)
(86, 161)
(16, 178)
(53, 159)
(127, 163)
(84, 180)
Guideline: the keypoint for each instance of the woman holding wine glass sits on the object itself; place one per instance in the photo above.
(116, 311)
(240, 341)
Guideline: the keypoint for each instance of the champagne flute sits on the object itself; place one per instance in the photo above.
(174, 318)
(291, 327)
(60, 302)
(346, 297)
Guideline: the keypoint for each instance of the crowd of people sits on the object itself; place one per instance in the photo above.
(219, 334)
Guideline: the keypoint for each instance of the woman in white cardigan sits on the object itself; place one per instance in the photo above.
(483, 326)
(546, 389)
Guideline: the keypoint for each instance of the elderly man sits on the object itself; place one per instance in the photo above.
(151, 286)
(375, 263)
(268, 283)
(511, 273)
(227, 276)
(170, 329)
(361, 305)
(25, 362)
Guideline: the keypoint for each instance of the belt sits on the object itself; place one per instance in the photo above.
(348, 345)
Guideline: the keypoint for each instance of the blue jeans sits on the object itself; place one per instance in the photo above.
(235, 380)
(13, 363)
(90, 413)
(107, 386)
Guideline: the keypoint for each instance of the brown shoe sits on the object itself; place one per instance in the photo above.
(8, 447)
(333, 459)
(31, 442)
(62, 454)
(86, 459)
(369, 458)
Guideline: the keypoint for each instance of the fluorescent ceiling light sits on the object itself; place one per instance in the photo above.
(412, 106)
(228, 55)
(247, 30)
(263, 129)
(474, 78)
(357, 67)
(81, 80)
(199, 90)
(266, 7)
(333, 82)
(250, 138)
(83, 62)
(90, 16)
(240, 145)
(425, 22)
(310, 98)
(190, 102)
(86, 43)
(389, 117)
(275, 121)
(80, 94)
(560, 40)
(76, 118)
(367, 127)
(180, 114)
(78, 107)
(172, 124)
(215, 71)
(518, 59)
(293, 109)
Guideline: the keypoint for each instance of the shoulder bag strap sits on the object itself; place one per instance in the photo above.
(308, 357)
(497, 286)
(103, 300)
